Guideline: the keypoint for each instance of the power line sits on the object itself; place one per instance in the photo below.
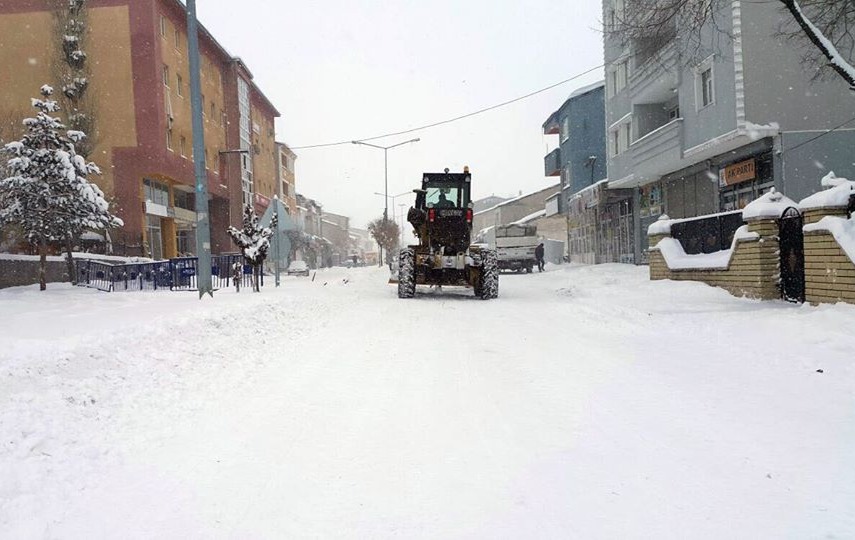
(450, 120)
(823, 134)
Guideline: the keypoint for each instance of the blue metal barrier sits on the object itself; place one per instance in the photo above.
(177, 274)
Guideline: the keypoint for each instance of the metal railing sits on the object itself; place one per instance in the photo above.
(707, 234)
(173, 275)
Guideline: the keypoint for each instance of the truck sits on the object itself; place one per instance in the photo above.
(514, 245)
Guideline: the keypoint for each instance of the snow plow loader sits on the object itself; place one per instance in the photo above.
(444, 256)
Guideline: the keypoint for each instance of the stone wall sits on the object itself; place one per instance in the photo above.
(752, 271)
(15, 273)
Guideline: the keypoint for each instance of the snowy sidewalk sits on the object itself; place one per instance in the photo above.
(585, 402)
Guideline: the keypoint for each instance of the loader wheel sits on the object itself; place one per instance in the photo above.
(406, 274)
(489, 287)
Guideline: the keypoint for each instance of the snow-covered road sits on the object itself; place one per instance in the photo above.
(586, 402)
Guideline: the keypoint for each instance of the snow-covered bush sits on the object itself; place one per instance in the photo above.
(254, 241)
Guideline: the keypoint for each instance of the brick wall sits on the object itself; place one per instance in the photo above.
(829, 272)
(752, 271)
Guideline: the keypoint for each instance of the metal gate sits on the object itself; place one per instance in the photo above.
(791, 243)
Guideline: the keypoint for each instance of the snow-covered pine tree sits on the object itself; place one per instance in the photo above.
(47, 194)
(253, 241)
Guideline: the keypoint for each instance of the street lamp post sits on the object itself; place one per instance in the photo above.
(203, 224)
(385, 174)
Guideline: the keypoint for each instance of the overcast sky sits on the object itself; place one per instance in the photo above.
(343, 70)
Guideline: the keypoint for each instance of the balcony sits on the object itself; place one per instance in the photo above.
(552, 163)
(658, 151)
(551, 126)
(654, 79)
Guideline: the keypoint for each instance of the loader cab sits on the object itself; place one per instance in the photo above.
(445, 204)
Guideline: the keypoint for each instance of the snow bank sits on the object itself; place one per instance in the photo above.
(770, 205)
(838, 195)
(76, 255)
(677, 259)
(842, 229)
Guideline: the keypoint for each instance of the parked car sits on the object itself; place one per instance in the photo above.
(298, 268)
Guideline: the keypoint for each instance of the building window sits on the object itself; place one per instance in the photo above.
(704, 84)
(565, 128)
(182, 146)
(674, 113)
(162, 26)
(184, 199)
(177, 35)
(156, 192)
(207, 166)
(203, 104)
(213, 110)
(626, 136)
(622, 75)
(620, 138)
(706, 87)
(165, 75)
(169, 138)
(179, 85)
(245, 141)
(155, 240)
(617, 78)
(185, 241)
(565, 175)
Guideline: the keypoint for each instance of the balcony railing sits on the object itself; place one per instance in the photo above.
(552, 163)
(662, 140)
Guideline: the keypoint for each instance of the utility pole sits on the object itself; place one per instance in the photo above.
(203, 224)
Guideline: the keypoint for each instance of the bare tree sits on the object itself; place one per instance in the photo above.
(646, 26)
(385, 232)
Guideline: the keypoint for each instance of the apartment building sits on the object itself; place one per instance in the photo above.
(580, 157)
(137, 52)
(699, 130)
(286, 160)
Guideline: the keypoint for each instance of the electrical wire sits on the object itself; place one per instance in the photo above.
(823, 134)
(456, 118)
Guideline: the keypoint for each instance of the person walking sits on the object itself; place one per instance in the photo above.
(538, 256)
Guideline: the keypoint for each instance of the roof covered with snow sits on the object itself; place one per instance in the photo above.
(519, 198)
(531, 217)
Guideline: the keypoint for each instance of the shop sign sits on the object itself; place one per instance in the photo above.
(261, 200)
(651, 200)
(738, 172)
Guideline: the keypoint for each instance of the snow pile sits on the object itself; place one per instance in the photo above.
(660, 226)
(838, 195)
(677, 259)
(759, 131)
(770, 205)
